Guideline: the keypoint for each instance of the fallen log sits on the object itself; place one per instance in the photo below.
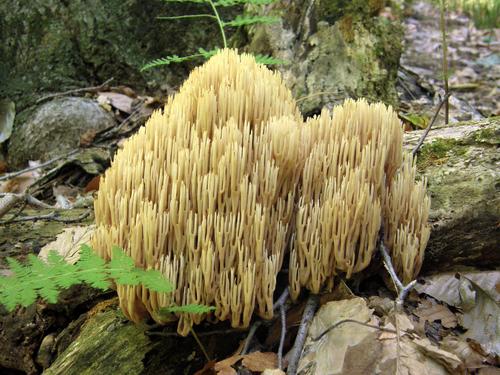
(462, 166)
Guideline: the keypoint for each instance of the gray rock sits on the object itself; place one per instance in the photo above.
(55, 128)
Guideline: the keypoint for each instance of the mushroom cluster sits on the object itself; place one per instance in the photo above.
(218, 186)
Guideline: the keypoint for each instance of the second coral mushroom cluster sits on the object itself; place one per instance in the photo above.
(228, 178)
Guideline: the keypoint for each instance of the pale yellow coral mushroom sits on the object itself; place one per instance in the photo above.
(215, 186)
(348, 184)
(205, 192)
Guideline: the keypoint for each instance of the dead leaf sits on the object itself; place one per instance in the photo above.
(482, 321)
(119, 101)
(208, 369)
(463, 350)
(446, 287)
(20, 183)
(228, 362)
(258, 361)
(327, 354)
(67, 244)
(412, 355)
(431, 312)
(449, 360)
(227, 371)
(93, 185)
(362, 358)
(489, 371)
(274, 371)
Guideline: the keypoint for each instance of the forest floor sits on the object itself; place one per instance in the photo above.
(473, 60)
(474, 78)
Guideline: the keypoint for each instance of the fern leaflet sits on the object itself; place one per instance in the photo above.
(46, 279)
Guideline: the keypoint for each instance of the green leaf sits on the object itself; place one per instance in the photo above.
(228, 3)
(188, 1)
(177, 59)
(39, 279)
(269, 60)
(191, 309)
(250, 20)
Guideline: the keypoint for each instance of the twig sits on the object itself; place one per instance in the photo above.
(319, 337)
(280, 304)
(282, 336)
(403, 290)
(281, 300)
(200, 344)
(9, 200)
(445, 60)
(53, 216)
(428, 129)
(311, 306)
(251, 334)
(20, 172)
(74, 91)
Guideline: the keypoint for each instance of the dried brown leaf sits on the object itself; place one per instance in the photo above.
(228, 362)
(431, 312)
(258, 361)
(119, 101)
(67, 244)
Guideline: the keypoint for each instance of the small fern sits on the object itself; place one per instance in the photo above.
(240, 20)
(46, 279)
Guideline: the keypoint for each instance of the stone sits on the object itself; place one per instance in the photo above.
(55, 128)
(335, 49)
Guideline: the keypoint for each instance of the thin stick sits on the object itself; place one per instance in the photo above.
(319, 337)
(281, 300)
(74, 91)
(8, 176)
(53, 216)
(282, 336)
(251, 334)
(428, 129)
(445, 59)
(200, 344)
(402, 289)
(311, 306)
(9, 200)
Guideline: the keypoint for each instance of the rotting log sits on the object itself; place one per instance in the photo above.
(462, 166)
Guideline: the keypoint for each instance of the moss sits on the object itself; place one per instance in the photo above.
(438, 152)
(490, 135)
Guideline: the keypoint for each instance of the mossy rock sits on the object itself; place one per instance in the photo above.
(460, 162)
(335, 49)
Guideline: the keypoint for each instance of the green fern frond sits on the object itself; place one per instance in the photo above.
(46, 279)
(245, 20)
(269, 60)
(230, 3)
(187, 1)
(178, 59)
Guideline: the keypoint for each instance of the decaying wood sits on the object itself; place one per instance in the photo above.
(460, 162)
